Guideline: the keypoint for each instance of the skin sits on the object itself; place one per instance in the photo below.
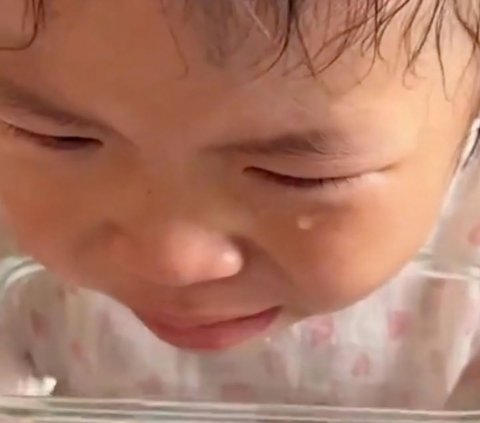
(166, 213)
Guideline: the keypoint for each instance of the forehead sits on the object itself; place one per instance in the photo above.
(196, 45)
(148, 69)
(180, 38)
(224, 28)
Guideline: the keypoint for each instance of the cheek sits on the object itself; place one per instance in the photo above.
(44, 207)
(53, 204)
(341, 254)
(39, 219)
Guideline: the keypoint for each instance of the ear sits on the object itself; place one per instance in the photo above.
(17, 22)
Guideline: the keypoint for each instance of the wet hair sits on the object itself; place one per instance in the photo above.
(357, 22)
(344, 24)
(348, 23)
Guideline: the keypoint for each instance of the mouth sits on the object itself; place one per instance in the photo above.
(223, 334)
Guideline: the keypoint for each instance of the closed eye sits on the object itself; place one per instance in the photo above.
(54, 142)
(297, 182)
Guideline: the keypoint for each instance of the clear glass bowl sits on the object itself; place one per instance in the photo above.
(14, 409)
(43, 408)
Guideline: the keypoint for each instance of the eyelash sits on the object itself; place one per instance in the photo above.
(54, 143)
(299, 183)
(78, 143)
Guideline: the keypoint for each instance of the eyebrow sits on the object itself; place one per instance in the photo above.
(292, 143)
(306, 142)
(20, 99)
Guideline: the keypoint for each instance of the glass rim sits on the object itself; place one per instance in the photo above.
(103, 410)
(76, 410)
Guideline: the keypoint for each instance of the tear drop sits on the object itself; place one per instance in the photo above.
(305, 223)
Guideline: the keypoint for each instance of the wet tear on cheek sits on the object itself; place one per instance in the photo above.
(305, 223)
(17, 21)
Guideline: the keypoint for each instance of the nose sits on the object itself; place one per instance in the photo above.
(178, 254)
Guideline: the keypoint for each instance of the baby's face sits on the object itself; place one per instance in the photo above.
(197, 186)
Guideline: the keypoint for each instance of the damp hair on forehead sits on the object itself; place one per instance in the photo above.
(286, 25)
(344, 24)
(341, 25)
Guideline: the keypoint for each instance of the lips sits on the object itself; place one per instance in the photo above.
(222, 334)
